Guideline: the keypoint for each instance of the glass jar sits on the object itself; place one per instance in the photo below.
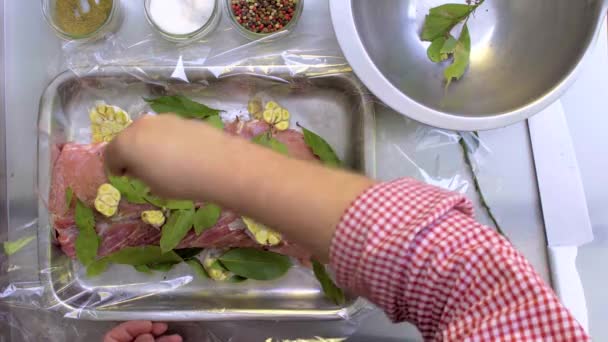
(110, 24)
(254, 35)
(204, 30)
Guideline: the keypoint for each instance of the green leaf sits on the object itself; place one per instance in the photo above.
(155, 200)
(321, 148)
(144, 259)
(215, 121)
(206, 217)
(139, 187)
(87, 241)
(272, 143)
(145, 255)
(442, 19)
(132, 190)
(169, 204)
(176, 228)
(332, 292)
(435, 27)
(12, 247)
(179, 204)
(452, 11)
(449, 45)
(236, 279)
(188, 253)
(162, 267)
(142, 269)
(255, 264)
(198, 268)
(462, 54)
(181, 106)
(97, 267)
(69, 195)
(434, 50)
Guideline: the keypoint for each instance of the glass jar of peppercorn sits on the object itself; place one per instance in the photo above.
(256, 19)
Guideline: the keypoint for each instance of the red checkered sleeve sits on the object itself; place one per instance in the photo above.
(416, 252)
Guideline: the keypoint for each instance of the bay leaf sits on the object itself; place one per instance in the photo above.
(255, 264)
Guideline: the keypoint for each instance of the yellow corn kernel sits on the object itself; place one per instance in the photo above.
(155, 218)
(107, 200)
(262, 234)
(107, 121)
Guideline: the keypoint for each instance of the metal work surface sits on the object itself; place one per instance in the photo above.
(335, 106)
(31, 52)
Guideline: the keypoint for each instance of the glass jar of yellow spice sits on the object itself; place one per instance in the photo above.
(82, 19)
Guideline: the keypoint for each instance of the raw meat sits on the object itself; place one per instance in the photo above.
(80, 167)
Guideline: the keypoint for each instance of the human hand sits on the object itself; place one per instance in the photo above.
(140, 331)
(169, 154)
(188, 159)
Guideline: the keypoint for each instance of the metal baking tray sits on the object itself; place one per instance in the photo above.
(334, 105)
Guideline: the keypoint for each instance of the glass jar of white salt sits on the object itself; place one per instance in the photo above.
(182, 21)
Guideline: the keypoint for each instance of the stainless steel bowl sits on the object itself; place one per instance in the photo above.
(524, 55)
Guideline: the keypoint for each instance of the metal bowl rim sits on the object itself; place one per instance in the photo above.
(357, 56)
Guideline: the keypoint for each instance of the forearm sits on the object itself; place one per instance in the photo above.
(427, 261)
(187, 159)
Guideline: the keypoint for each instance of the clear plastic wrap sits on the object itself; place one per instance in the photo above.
(306, 63)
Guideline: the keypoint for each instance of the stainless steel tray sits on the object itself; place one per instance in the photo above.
(334, 105)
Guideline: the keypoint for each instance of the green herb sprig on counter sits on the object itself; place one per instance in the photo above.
(437, 29)
(482, 198)
(12, 247)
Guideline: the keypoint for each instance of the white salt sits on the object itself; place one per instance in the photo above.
(181, 16)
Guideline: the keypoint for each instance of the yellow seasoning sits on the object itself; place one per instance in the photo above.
(276, 116)
(107, 121)
(78, 17)
(255, 109)
(214, 269)
(107, 200)
(261, 233)
(155, 218)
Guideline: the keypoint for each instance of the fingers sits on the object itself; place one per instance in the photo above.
(144, 338)
(118, 152)
(170, 338)
(159, 328)
(140, 331)
(127, 331)
(114, 156)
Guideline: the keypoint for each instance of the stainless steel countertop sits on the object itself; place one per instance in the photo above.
(32, 52)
